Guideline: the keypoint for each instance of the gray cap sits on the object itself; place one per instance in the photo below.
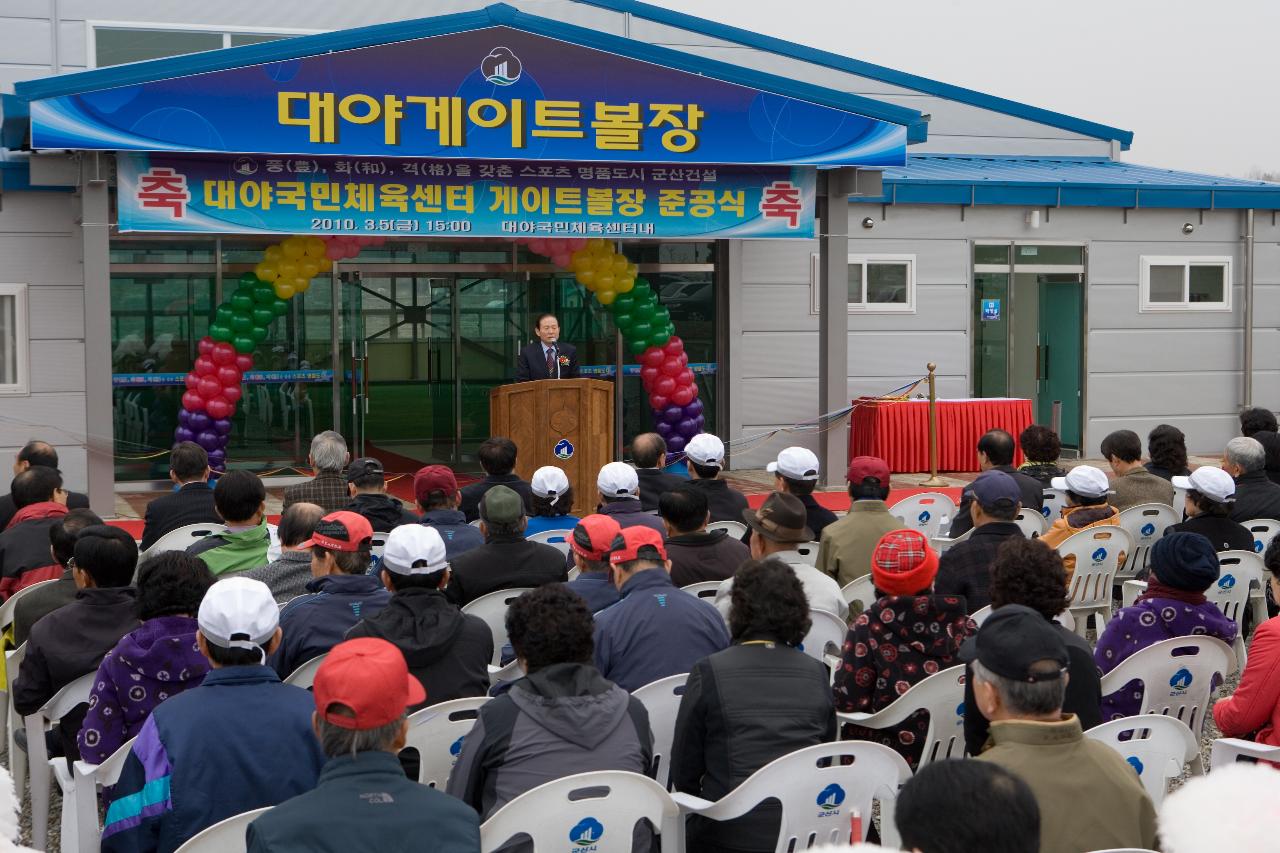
(501, 506)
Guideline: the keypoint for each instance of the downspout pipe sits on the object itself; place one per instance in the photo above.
(1248, 307)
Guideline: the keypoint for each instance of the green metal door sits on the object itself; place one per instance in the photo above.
(1059, 360)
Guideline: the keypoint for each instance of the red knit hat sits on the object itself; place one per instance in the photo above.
(903, 563)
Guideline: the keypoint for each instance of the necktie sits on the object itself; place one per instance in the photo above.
(551, 364)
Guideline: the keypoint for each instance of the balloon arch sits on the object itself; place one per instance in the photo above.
(241, 322)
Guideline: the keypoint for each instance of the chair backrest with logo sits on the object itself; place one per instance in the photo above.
(1145, 523)
(942, 695)
(437, 732)
(661, 699)
(1156, 747)
(1178, 677)
(924, 512)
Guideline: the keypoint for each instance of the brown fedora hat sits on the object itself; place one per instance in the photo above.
(781, 518)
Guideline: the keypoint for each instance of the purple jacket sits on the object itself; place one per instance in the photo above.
(1146, 623)
(148, 665)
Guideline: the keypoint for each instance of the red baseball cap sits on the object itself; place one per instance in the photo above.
(340, 531)
(593, 537)
(370, 677)
(862, 467)
(434, 478)
(637, 543)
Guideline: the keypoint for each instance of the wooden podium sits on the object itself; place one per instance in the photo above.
(563, 422)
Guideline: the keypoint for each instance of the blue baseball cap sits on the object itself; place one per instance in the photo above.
(996, 490)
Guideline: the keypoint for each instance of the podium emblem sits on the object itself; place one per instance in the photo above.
(563, 449)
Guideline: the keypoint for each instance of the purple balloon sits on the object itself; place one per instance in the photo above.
(199, 421)
(217, 457)
(693, 409)
(687, 428)
(664, 429)
(208, 440)
(184, 417)
(182, 434)
(222, 426)
(220, 468)
(701, 421)
(673, 414)
(675, 443)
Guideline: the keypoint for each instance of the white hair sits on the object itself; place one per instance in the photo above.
(329, 451)
(1233, 808)
(1248, 453)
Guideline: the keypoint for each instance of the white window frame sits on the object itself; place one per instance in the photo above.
(226, 31)
(22, 387)
(1146, 262)
(815, 281)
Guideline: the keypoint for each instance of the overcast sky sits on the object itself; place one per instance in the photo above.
(1190, 79)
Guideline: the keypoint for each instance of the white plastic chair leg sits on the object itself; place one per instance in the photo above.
(38, 766)
(67, 822)
(1258, 601)
(17, 757)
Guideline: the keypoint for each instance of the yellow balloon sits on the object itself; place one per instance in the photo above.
(309, 267)
(273, 254)
(301, 284)
(266, 271)
(294, 247)
(604, 282)
(580, 261)
(624, 283)
(326, 265)
(284, 290)
(587, 278)
(606, 297)
(315, 248)
(287, 270)
(595, 245)
(603, 264)
(632, 271)
(620, 264)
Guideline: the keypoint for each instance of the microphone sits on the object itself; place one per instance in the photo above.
(555, 354)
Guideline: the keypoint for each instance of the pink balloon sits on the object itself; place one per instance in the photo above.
(223, 353)
(208, 388)
(685, 378)
(219, 407)
(231, 393)
(538, 247)
(244, 363)
(335, 251)
(649, 375)
(352, 250)
(577, 243)
(682, 396)
(228, 375)
(192, 402)
(205, 366)
(561, 260)
(665, 386)
(205, 346)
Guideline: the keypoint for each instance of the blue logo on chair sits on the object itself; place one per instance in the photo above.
(563, 449)
(1148, 529)
(1257, 545)
(1044, 511)
(1100, 555)
(1135, 764)
(924, 516)
(1181, 679)
(455, 748)
(830, 797)
(1226, 582)
(587, 832)
(960, 710)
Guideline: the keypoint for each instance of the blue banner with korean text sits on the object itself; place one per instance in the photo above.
(460, 198)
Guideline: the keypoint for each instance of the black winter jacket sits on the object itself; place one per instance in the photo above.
(725, 502)
(653, 483)
(1256, 497)
(704, 556)
(504, 562)
(383, 512)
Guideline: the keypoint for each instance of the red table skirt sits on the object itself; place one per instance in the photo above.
(898, 433)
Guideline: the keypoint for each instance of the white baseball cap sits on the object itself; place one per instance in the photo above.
(1084, 480)
(239, 613)
(414, 549)
(795, 463)
(705, 449)
(549, 482)
(618, 480)
(1214, 483)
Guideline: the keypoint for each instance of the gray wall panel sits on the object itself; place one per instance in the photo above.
(1119, 263)
(36, 258)
(777, 261)
(57, 418)
(767, 305)
(57, 366)
(938, 308)
(906, 353)
(1169, 350)
(937, 261)
(47, 213)
(56, 312)
(1206, 434)
(1115, 306)
(779, 355)
(1164, 395)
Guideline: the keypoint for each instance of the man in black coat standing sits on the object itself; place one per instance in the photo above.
(190, 503)
(548, 358)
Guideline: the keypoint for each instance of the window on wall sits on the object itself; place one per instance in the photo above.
(116, 44)
(1185, 284)
(877, 283)
(13, 339)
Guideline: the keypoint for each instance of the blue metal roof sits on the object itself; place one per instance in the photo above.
(1064, 182)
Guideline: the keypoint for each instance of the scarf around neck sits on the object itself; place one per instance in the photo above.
(1156, 589)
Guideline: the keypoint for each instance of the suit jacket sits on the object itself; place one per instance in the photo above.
(532, 364)
(327, 489)
(191, 504)
(8, 510)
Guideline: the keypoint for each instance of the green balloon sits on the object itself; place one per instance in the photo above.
(220, 332)
(641, 330)
(244, 344)
(660, 338)
(263, 317)
(263, 293)
(637, 346)
(241, 301)
(642, 292)
(249, 281)
(279, 307)
(625, 302)
(223, 314)
(623, 321)
(241, 323)
(258, 333)
(644, 314)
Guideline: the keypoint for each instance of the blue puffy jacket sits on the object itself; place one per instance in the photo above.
(314, 623)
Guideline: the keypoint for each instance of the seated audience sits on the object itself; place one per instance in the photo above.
(191, 502)
(72, 640)
(38, 603)
(36, 453)
(1247, 792)
(654, 630)
(561, 718)
(367, 485)
(497, 457)
(1086, 491)
(996, 451)
(446, 650)
(962, 805)
(436, 491)
(795, 472)
(1088, 795)
(1167, 449)
(1030, 573)
(1210, 495)
(25, 557)
(649, 454)
(705, 454)
(328, 488)
(907, 635)
(241, 500)
(240, 741)
(340, 594)
(846, 546)
(1256, 496)
(1042, 449)
(288, 575)
(1270, 442)
(1134, 484)
(697, 554)
(776, 529)
(965, 568)
(620, 498)
(152, 663)
(719, 739)
(589, 545)
(506, 560)
(552, 504)
(362, 693)
(1253, 710)
(1255, 419)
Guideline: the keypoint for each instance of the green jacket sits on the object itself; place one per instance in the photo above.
(1090, 798)
(234, 552)
(846, 546)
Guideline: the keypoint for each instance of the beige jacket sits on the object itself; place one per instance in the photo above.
(1140, 486)
(845, 550)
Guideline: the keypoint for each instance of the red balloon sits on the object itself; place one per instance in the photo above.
(223, 353)
(244, 363)
(192, 402)
(674, 346)
(219, 407)
(657, 401)
(193, 379)
(682, 396)
(653, 357)
(205, 346)
(664, 386)
(685, 377)
(205, 366)
(232, 393)
(228, 375)
(209, 388)
(672, 366)
(648, 375)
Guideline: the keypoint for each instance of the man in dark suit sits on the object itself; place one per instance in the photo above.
(190, 503)
(497, 457)
(649, 454)
(547, 358)
(995, 453)
(36, 453)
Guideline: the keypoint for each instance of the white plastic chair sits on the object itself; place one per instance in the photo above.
(475, 523)
(1177, 677)
(1032, 523)
(735, 529)
(809, 551)
(702, 589)
(305, 674)
(980, 615)
(942, 695)
(924, 512)
(378, 544)
(1054, 501)
(62, 703)
(6, 621)
(182, 538)
(1263, 530)
(225, 836)
(818, 802)
(595, 811)
(826, 635)
(437, 733)
(1226, 750)
(1145, 524)
(1239, 573)
(1129, 592)
(555, 538)
(492, 608)
(80, 828)
(861, 592)
(661, 699)
(942, 543)
(1157, 748)
(17, 757)
(1097, 553)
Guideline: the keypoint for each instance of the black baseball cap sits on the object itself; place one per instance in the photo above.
(1012, 640)
(364, 465)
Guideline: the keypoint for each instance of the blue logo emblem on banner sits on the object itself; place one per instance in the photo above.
(501, 67)
(563, 449)
(830, 797)
(587, 832)
(1181, 679)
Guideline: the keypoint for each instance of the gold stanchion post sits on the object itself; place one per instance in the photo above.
(934, 479)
